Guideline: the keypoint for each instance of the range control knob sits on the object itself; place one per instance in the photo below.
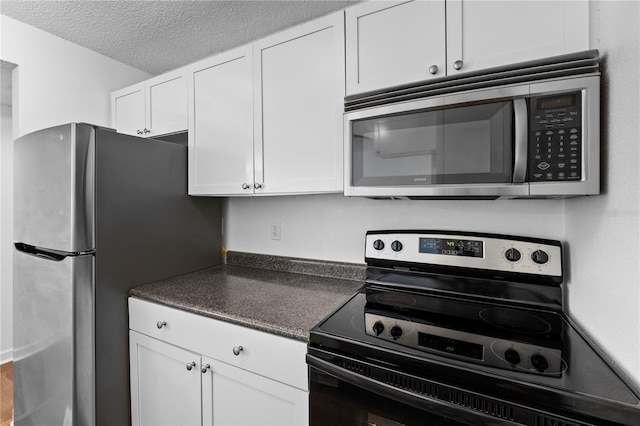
(512, 356)
(396, 245)
(378, 244)
(512, 255)
(540, 363)
(378, 327)
(395, 332)
(540, 257)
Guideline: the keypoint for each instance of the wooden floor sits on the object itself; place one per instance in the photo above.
(6, 393)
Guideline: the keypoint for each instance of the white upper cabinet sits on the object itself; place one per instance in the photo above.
(484, 34)
(394, 42)
(266, 119)
(221, 124)
(399, 42)
(298, 99)
(153, 108)
(128, 110)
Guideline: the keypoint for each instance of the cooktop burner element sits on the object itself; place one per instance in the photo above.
(480, 317)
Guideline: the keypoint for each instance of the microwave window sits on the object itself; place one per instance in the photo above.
(470, 144)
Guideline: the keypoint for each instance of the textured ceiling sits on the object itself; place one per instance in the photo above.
(157, 36)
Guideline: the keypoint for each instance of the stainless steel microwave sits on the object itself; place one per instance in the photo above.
(523, 139)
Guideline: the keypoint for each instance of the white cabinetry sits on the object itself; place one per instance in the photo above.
(266, 119)
(163, 390)
(242, 376)
(221, 124)
(484, 34)
(397, 42)
(298, 97)
(152, 108)
(394, 42)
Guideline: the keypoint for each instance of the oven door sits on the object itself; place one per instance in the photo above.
(471, 144)
(334, 401)
(346, 396)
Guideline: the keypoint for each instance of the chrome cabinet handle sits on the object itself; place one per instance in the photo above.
(458, 64)
(146, 131)
(433, 69)
(161, 324)
(205, 368)
(139, 131)
(237, 350)
(257, 185)
(245, 186)
(190, 365)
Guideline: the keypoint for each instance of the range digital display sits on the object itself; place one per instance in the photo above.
(471, 248)
(451, 346)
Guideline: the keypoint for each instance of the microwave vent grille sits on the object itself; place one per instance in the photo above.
(569, 65)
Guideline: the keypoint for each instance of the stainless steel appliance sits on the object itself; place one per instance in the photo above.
(456, 328)
(529, 130)
(96, 213)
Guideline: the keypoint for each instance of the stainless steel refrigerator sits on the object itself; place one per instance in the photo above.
(96, 213)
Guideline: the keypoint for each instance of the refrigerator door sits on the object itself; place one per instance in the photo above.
(54, 188)
(53, 340)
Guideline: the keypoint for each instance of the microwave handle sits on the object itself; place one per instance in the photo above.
(520, 146)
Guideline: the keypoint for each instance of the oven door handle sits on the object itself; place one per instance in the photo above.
(520, 145)
(405, 397)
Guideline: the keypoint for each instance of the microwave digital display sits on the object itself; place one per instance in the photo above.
(559, 101)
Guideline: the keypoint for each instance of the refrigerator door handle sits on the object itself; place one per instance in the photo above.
(49, 254)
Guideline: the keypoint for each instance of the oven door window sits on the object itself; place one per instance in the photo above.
(462, 145)
(336, 402)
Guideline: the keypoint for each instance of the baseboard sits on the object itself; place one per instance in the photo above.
(6, 356)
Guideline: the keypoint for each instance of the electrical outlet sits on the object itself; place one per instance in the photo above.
(275, 230)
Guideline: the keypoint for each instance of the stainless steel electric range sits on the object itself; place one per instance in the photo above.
(459, 328)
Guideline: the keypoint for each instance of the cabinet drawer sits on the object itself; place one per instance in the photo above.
(272, 356)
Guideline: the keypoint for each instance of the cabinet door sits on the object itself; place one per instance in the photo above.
(128, 110)
(484, 34)
(221, 125)
(163, 390)
(299, 94)
(394, 42)
(166, 104)
(233, 396)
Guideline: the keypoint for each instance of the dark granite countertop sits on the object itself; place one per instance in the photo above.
(269, 298)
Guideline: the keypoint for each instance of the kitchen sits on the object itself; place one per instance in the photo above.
(598, 296)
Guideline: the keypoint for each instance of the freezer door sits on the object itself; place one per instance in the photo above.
(53, 340)
(54, 173)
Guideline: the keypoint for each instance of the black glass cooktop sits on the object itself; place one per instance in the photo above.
(446, 339)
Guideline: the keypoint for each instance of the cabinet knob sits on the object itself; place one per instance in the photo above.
(190, 365)
(205, 368)
(146, 131)
(161, 324)
(458, 65)
(245, 186)
(257, 185)
(433, 69)
(139, 132)
(237, 350)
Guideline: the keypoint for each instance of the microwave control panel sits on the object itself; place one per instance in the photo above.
(555, 137)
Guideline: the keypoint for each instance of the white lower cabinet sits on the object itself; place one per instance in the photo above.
(233, 396)
(187, 369)
(163, 390)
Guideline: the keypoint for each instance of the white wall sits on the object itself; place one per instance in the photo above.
(332, 227)
(56, 82)
(6, 232)
(603, 232)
